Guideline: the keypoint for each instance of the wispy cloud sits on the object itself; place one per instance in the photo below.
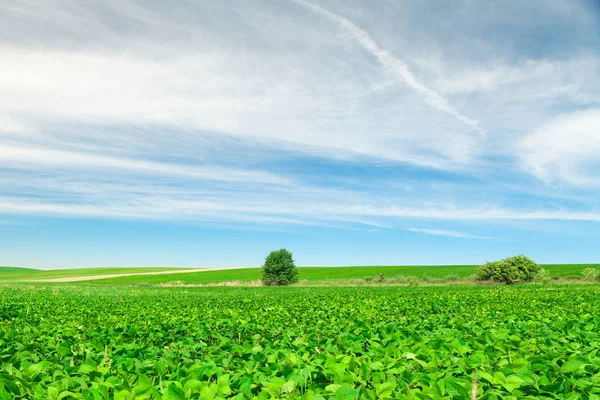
(441, 232)
(13, 223)
(124, 110)
(565, 149)
(398, 67)
(99, 197)
(21, 157)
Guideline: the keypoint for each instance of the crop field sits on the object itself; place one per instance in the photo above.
(96, 342)
(6, 270)
(18, 274)
(312, 275)
(329, 275)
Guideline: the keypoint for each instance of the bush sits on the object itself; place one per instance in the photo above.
(510, 271)
(279, 269)
(413, 281)
(452, 278)
(543, 276)
(591, 274)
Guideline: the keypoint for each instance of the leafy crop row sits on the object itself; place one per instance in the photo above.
(309, 343)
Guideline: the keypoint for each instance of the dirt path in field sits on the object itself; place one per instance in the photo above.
(108, 276)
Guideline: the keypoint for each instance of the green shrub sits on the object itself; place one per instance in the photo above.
(543, 276)
(413, 281)
(509, 271)
(279, 269)
(591, 274)
(452, 278)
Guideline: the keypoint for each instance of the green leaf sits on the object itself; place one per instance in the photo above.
(456, 389)
(223, 385)
(376, 366)
(142, 391)
(288, 387)
(512, 382)
(173, 393)
(34, 369)
(386, 389)
(52, 392)
(572, 365)
(67, 394)
(4, 395)
(333, 387)
(86, 368)
(346, 393)
(123, 395)
(10, 386)
(193, 385)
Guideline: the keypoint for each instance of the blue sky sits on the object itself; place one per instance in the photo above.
(202, 133)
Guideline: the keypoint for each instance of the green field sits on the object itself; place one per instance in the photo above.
(328, 275)
(92, 342)
(312, 275)
(28, 274)
(6, 270)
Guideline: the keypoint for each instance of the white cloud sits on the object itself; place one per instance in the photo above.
(323, 97)
(448, 212)
(10, 124)
(565, 149)
(248, 203)
(395, 65)
(11, 223)
(441, 232)
(128, 111)
(20, 157)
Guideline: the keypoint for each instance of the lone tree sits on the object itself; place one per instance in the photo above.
(510, 271)
(279, 269)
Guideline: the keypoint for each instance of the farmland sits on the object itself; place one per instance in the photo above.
(334, 275)
(28, 274)
(101, 342)
(312, 275)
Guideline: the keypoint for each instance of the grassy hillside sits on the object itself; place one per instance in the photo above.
(328, 274)
(21, 274)
(311, 274)
(243, 275)
(6, 270)
(564, 270)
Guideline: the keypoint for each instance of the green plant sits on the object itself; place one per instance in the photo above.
(509, 271)
(452, 278)
(413, 281)
(591, 274)
(279, 269)
(543, 276)
(377, 342)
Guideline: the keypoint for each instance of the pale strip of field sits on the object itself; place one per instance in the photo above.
(108, 276)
